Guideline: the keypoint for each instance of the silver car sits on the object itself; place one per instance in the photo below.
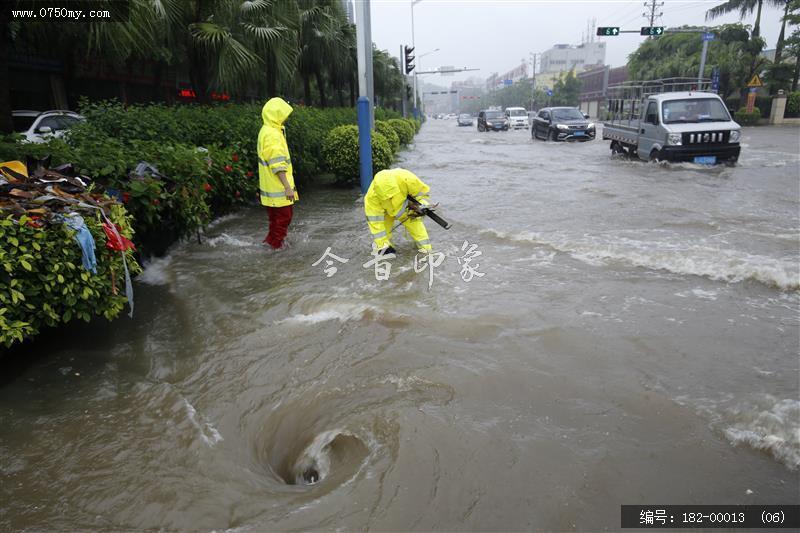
(41, 126)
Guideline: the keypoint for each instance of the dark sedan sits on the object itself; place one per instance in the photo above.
(491, 120)
(562, 124)
(465, 119)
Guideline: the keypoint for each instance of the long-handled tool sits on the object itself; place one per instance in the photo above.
(429, 212)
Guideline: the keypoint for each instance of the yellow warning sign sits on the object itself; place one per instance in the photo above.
(755, 81)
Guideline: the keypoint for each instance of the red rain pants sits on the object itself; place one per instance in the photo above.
(279, 220)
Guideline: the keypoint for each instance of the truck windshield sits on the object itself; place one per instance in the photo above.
(694, 110)
(517, 113)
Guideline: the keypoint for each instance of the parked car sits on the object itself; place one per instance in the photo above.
(562, 124)
(492, 119)
(40, 126)
(465, 119)
(517, 118)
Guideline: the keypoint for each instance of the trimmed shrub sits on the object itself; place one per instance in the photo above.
(403, 129)
(747, 119)
(340, 151)
(383, 127)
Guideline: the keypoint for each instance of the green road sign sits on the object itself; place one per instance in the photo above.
(608, 31)
(652, 30)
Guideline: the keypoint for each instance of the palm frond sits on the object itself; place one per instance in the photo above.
(209, 34)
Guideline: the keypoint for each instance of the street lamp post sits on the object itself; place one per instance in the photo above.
(413, 45)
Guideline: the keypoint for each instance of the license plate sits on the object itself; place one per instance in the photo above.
(705, 159)
(578, 134)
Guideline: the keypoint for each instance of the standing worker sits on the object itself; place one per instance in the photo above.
(275, 179)
(387, 200)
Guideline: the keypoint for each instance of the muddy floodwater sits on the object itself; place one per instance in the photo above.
(628, 334)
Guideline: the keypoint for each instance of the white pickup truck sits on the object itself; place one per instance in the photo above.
(655, 122)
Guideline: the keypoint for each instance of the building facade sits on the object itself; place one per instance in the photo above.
(594, 87)
(564, 57)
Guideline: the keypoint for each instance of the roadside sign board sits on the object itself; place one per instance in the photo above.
(508, 82)
(755, 81)
(549, 92)
(708, 36)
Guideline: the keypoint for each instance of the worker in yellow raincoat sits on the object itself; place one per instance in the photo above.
(275, 178)
(387, 201)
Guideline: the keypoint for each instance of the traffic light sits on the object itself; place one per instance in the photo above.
(608, 31)
(652, 30)
(409, 59)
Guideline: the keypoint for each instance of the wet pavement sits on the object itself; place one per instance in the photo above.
(629, 334)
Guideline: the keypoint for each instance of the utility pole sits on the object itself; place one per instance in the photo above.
(414, 45)
(653, 5)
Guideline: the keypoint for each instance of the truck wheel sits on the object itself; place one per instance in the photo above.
(616, 148)
(655, 156)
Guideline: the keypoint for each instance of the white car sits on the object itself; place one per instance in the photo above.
(517, 118)
(41, 126)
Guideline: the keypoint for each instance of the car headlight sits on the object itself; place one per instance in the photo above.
(562, 126)
(735, 135)
(675, 139)
(590, 126)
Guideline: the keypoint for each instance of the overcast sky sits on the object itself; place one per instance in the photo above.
(494, 35)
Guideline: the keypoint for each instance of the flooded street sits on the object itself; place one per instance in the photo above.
(633, 339)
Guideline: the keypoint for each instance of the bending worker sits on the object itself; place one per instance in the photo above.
(387, 201)
(275, 179)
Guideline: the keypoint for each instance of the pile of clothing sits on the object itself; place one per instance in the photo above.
(50, 196)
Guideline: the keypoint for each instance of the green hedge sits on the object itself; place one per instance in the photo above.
(385, 129)
(793, 104)
(43, 282)
(403, 129)
(342, 157)
(747, 119)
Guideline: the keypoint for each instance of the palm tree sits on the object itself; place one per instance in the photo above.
(320, 34)
(745, 8)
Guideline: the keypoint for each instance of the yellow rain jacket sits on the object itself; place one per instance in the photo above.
(273, 154)
(387, 200)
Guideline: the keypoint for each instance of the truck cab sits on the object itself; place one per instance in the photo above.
(692, 126)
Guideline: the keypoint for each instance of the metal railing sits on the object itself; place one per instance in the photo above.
(625, 99)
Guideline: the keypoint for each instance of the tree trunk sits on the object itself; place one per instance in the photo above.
(307, 89)
(757, 25)
(323, 102)
(352, 91)
(796, 73)
(272, 76)
(198, 75)
(781, 35)
(6, 125)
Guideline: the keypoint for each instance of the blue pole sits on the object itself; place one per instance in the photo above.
(364, 143)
